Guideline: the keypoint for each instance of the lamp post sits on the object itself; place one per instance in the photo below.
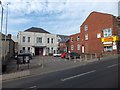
(1, 28)
(6, 31)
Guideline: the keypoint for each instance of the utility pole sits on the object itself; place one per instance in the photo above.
(6, 32)
(1, 27)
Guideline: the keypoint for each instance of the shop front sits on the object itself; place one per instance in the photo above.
(111, 44)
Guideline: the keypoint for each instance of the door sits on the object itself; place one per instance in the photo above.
(83, 49)
(40, 51)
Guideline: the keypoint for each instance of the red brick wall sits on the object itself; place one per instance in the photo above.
(96, 23)
(74, 43)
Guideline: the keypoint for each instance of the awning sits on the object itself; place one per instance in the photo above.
(107, 44)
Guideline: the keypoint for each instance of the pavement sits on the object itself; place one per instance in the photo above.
(100, 74)
(45, 64)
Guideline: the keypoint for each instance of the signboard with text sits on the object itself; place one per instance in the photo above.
(110, 39)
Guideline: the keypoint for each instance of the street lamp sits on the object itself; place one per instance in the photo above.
(6, 30)
(1, 27)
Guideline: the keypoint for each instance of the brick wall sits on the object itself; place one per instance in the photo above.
(95, 22)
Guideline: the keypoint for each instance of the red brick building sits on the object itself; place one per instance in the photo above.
(97, 26)
(74, 43)
(63, 46)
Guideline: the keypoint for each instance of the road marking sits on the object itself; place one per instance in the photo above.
(111, 65)
(33, 87)
(77, 75)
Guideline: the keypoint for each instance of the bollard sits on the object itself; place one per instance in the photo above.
(74, 59)
(80, 58)
(85, 57)
(91, 57)
(42, 63)
(69, 57)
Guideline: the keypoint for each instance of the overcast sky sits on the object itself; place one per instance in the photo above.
(56, 16)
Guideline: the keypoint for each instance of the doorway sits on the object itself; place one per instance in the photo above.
(38, 51)
(83, 48)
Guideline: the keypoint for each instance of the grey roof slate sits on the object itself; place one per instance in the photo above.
(38, 30)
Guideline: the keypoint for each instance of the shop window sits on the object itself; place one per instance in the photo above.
(108, 48)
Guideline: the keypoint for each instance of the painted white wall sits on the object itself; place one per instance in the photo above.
(33, 36)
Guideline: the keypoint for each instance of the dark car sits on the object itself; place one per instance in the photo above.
(72, 55)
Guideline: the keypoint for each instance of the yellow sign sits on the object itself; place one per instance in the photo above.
(110, 39)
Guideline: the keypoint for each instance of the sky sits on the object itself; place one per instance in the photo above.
(55, 16)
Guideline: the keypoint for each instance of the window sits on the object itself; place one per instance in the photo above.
(48, 40)
(86, 37)
(52, 50)
(107, 32)
(86, 27)
(23, 38)
(51, 40)
(78, 47)
(99, 35)
(48, 49)
(23, 49)
(28, 39)
(72, 47)
(39, 40)
(28, 49)
(108, 48)
(71, 39)
(78, 38)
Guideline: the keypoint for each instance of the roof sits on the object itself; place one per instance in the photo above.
(95, 12)
(75, 34)
(64, 38)
(38, 30)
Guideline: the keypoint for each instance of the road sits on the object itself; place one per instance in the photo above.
(101, 74)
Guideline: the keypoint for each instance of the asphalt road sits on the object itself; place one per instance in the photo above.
(101, 74)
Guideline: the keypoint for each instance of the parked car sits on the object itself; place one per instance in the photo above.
(56, 54)
(72, 55)
(63, 55)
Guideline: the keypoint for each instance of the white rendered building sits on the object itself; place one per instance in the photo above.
(37, 41)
